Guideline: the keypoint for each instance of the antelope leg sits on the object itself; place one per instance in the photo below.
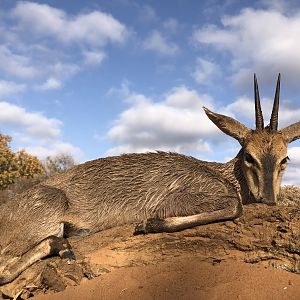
(172, 224)
(50, 246)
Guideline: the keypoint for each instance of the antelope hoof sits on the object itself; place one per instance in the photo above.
(6, 277)
(67, 254)
(140, 228)
(152, 225)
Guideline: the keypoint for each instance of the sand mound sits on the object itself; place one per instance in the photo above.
(253, 257)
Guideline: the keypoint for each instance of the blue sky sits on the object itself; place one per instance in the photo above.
(98, 78)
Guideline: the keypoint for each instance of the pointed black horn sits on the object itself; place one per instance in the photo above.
(274, 116)
(259, 119)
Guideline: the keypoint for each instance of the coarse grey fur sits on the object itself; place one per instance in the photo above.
(118, 190)
(161, 191)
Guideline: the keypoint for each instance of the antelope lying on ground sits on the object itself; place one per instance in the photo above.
(166, 191)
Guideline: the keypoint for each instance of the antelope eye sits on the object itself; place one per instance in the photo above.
(284, 161)
(248, 158)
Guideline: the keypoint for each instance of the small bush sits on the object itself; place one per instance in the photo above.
(58, 164)
(21, 171)
(16, 165)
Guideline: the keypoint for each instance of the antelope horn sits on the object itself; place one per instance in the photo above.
(259, 119)
(274, 116)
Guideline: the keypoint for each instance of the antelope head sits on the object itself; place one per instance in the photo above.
(264, 150)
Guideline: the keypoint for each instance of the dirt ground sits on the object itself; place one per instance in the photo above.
(187, 279)
(254, 257)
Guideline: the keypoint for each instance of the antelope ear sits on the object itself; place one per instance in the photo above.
(291, 133)
(228, 125)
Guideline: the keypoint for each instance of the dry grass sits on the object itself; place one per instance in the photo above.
(289, 195)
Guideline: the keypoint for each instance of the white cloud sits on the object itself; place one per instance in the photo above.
(16, 65)
(158, 43)
(44, 46)
(93, 57)
(279, 5)
(34, 64)
(62, 70)
(33, 123)
(34, 132)
(58, 147)
(292, 173)
(175, 123)
(264, 41)
(147, 13)
(9, 87)
(243, 108)
(206, 71)
(95, 28)
(122, 92)
(171, 25)
(50, 84)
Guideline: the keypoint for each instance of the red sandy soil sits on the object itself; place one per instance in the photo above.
(187, 279)
(254, 257)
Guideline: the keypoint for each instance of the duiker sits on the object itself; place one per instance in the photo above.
(163, 191)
